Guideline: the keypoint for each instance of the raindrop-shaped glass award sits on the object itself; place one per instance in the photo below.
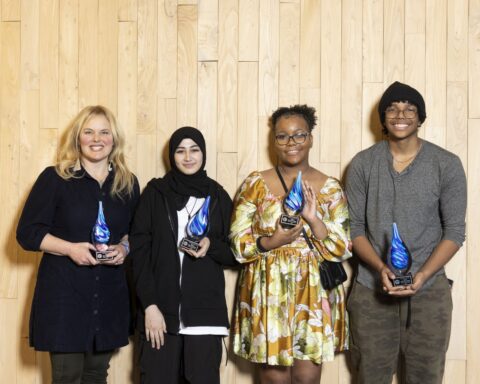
(399, 259)
(293, 204)
(197, 228)
(101, 236)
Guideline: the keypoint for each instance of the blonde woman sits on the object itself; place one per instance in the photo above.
(80, 310)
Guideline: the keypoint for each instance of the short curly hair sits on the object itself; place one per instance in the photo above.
(303, 110)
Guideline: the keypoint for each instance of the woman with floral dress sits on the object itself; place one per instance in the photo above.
(284, 318)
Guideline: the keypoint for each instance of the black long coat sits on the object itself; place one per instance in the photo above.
(76, 308)
(156, 263)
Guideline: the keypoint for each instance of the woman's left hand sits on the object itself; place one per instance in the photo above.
(119, 254)
(309, 212)
(202, 251)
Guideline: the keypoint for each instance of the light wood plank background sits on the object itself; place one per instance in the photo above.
(224, 66)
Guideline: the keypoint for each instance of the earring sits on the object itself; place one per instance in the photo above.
(110, 166)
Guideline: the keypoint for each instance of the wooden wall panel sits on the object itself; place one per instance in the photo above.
(330, 80)
(10, 10)
(393, 41)
(88, 53)
(10, 99)
(373, 40)
(48, 63)
(127, 86)
(147, 67)
(247, 120)
(107, 65)
(68, 62)
(224, 66)
(248, 29)
(187, 66)
(29, 55)
(351, 79)
(167, 49)
(474, 59)
(289, 64)
(436, 74)
(127, 10)
(227, 75)
(207, 108)
(473, 262)
(208, 29)
(310, 32)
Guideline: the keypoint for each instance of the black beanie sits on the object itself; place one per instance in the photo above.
(401, 92)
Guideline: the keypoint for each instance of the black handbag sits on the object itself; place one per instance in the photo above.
(332, 274)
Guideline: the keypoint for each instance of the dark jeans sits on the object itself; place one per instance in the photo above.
(193, 359)
(379, 334)
(80, 368)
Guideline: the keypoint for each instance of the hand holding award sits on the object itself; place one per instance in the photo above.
(293, 204)
(399, 260)
(197, 228)
(101, 236)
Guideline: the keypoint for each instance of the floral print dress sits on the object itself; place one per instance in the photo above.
(282, 312)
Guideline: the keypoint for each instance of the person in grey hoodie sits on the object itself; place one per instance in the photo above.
(422, 188)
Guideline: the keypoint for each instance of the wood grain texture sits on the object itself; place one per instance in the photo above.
(289, 58)
(373, 41)
(147, 67)
(224, 66)
(87, 52)
(208, 33)
(473, 242)
(29, 55)
(67, 62)
(227, 76)
(436, 75)
(10, 101)
(48, 63)
(187, 66)
(474, 59)
(248, 29)
(11, 10)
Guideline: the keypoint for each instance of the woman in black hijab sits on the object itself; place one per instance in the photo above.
(182, 313)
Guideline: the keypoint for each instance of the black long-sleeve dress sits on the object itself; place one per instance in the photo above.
(76, 308)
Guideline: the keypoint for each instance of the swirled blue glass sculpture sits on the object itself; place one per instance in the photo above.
(101, 234)
(293, 204)
(197, 227)
(399, 258)
(294, 201)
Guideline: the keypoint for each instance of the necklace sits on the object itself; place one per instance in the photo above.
(189, 213)
(408, 159)
(288, 176)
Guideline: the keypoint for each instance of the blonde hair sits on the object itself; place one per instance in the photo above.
(68, 155)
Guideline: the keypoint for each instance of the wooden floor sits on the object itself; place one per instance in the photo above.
(224, 66)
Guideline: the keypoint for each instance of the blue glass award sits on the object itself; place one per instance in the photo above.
(293, 204)
(399, 259)
(197, 228)
(101, 236)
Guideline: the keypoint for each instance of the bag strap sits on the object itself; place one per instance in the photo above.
(304, 233)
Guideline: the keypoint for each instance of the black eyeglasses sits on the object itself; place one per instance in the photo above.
(298, 138)
(409, 112)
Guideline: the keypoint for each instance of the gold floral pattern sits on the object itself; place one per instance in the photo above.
(282, 312)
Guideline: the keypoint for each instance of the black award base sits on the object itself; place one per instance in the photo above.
(103, 256)
(288, 222)
(190, 244)
(403, 280)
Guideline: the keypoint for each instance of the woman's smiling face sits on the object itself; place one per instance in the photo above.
(293, 128)
(188, 157)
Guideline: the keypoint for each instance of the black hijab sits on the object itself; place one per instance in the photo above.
(179, 187)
